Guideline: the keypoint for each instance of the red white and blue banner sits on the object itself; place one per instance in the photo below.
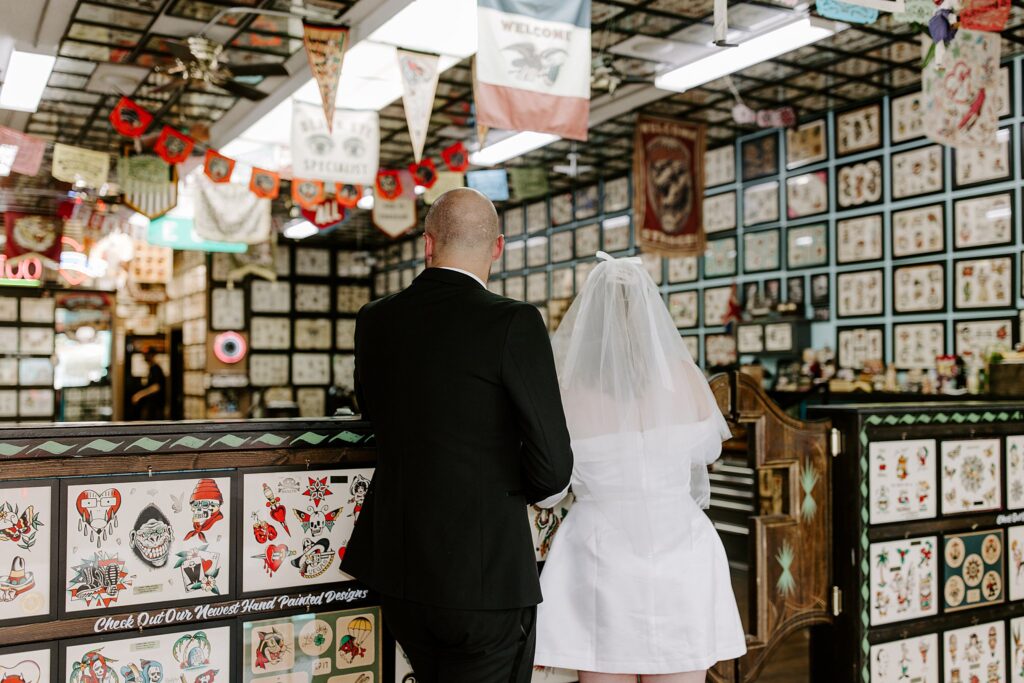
(533, 66)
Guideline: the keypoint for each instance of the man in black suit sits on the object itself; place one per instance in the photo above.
(460, 387)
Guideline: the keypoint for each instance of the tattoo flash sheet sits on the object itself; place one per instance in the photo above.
(911, 659)
(27, 532)
(975, 653)
(903, 580)
(296, 525)
(26, 664)
(146, 540)
(902, 480)
(971, 475)
(328, 647)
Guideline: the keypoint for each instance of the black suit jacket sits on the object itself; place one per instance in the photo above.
(460, 387)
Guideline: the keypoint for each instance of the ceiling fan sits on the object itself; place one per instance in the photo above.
(573, 169)
(608, 72)
(199, 61)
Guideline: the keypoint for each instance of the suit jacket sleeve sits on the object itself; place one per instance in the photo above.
(528, 373)
(359, 335)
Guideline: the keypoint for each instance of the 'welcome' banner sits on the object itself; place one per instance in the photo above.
(533, 66)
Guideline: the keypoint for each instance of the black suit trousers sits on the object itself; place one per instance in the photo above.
(464, 646)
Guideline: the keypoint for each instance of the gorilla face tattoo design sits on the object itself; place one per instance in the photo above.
(151, 537)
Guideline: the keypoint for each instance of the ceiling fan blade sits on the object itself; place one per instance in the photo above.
(258, 70)
(169, 86)
(241, 90)
(180, 50)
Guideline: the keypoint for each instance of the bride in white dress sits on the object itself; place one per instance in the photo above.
(637, 581)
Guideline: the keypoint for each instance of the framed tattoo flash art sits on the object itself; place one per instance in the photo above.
(902, 480)
(28, 536)
(975, 653)
(684, 306)
(761, 203)
(36, 663)
(917, 172)
(806, 144)
(760, 156)
(716, 305)
(983, 221)
(1015, 472)
(270, 297)
(1015, 570)
(919, 288)
(859, 184)
(972, 570)
(268, 369)
(795, 291)
(859, 239)
(720, 257)
(981, 336)
(561, 208)
(915, 345)
(919, 231)
(536, 217)
(588, 240)
(910, 659)
(682, 269)
(906, 118)
(146, 540)
(983, 283)
(295, 525)
(860, 293)
(807, 194)
(761, 251)
(975, 165)
(720, 212)
(859, 130)
(903, 580)
(616, 195)
(312, 262)
(340, 647)
(719, 350)
(227, 308)
(807, 246)
(858, 345)
(971, 480)
(719, 166)
(750, 338)
(615, 233)
(587, 202)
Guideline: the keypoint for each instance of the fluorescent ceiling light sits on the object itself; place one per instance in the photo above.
(25, 80)
(511, 147)
(300, 230)
(445, 27)
(758, 49)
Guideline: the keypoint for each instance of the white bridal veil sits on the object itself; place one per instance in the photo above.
(624, 369)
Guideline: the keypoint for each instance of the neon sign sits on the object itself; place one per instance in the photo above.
(75, 267)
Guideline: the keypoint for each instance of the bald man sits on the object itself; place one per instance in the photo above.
(460, 387)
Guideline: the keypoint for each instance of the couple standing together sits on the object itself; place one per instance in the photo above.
(466, 401)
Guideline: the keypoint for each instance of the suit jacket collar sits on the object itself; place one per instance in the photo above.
(449, 277)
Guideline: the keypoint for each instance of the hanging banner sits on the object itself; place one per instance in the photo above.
(985, 15)
(230, 213)
(491, 182)
(218, 167)
(348, 153)
(78, 165)
(446, 180)
(179, 233)
(528, 181)
(389, 184)
(348, 195)
(307, 193)
(149, 184)
(533, 65)
(265, 184)
(668, 184)
(840, 10)
(32, 235)
(325, 214)
(30, 150)
(419, 83)
(424, 172)
(396, 215)
(325, 49)
(915, 12)
(172, 146)
(456, 157)
(959, 94)
(129, 119)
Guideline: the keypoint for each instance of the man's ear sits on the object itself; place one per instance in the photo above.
(499, 247)
(428, 248)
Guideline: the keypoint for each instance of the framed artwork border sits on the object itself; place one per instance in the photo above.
(847, 328)
(902, 323)
(56, 539)
(892, 173)
(53, 646)
(881, 238)
(945, 294)
(1013, 211)
(883, 172)
(877, 106)
(800, 163)
(1013, 285)
(828, 245)
(778, 255)
(892, 231)
(885, 292)
(752, 141)
(1010, 170)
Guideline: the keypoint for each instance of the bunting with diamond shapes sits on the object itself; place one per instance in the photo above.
(419, 82)
(325, 48)
(532, 67)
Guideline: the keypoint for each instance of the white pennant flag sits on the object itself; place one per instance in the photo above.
(419, 83)
(348, 153)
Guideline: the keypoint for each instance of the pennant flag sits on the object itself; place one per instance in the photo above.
(265, 184)
(668, 183)
(456, 157)
(446, 180)
(78, 165)
(129, 119)
(225, 212)
(32, 235)
(424, 172)
(959, 95)
(395, 215)
(325, 49)
(30, 150)
(348, 195)
(218, 167)
(347, 153)
(149, 184)
(528, 181)
(419, 82)
(172, 146)
(325, 214)
(307, 193)
(533, 65)
(389, 184)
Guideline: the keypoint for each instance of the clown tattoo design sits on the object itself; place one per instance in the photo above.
(169, 657)
(151, 537)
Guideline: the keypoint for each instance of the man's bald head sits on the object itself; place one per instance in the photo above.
(462, 221)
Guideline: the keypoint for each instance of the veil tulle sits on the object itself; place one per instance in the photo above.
(623, 368)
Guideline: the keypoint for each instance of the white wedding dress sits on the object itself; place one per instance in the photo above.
(637, 580)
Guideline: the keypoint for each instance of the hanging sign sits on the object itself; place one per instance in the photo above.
(129, 119)
(179, 233)
(395, 215)
(172, 146)
(325, 49)
(307, 193)
(348, 153)
(218, 167)
(80, 166)
(419, 83)
(841, 10)
(456, 157)
(225, 212)
(348, 195)
(149, 185)
(30, 150)
(424, 172)
(532, 69)
(528, 181)
(325, 215)
(265, 184)
(446, 180)
(959, 94)
(32, 235)
(389, 184)
(668, 184)
(492, 183)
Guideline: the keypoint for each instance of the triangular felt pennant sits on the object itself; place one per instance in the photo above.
(325, 214)
(389, 184)
(307, 193)
(424, 173)
(265, 184)
(172, 146)
(325, 49)
(456, 157)
(129, 119)
(218, 167)
(348, 195)
(419, 83)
